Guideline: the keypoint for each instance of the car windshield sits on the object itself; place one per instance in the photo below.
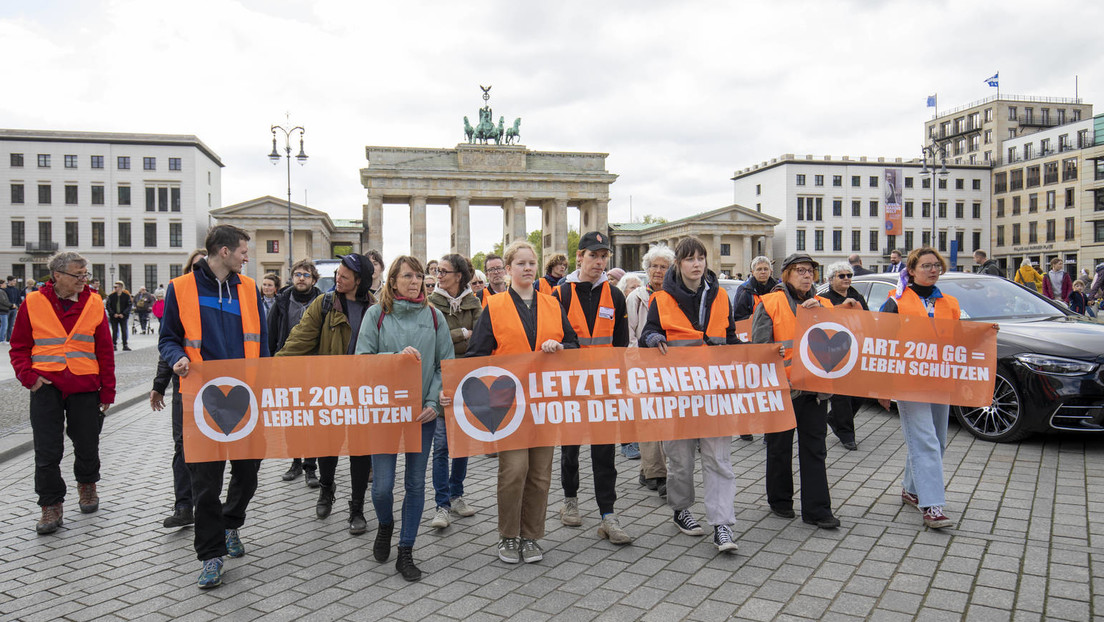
(995, 299)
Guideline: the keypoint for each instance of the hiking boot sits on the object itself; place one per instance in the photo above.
(509, 550)
(88, 500)
(910, 499)
(381, 548)
(461, 507)
(661, 486)
(234, 546)
(685, 522)
(126, 348)
(569, 513)
(783, 512)
(293, 472)
(610, 528)
(934, 517)
(181, 517)
(722, 537)
(850, 445)
(828, 522)
(211, 575)
(325, 502)
(311, 478)
(51, 519)
(440, 519)
(357, 524)
(531, 551)
(405, 564)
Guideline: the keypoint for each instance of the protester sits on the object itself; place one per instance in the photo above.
(270, 285)
(1028, 276)
(496, 278)
(555, 267)
(775, 321)
(841, 418)
(693, 310)
(461, 310)
(431, 267)
(597, 313)
(523, 321)
(987, 266)
(377, 271)
(405, 323)
(229, 324)
(118, 310)
(614, 275)
(431, 282)
(750, 293)
(924, 426)
(478, 282)
(628, 284)
(283, 315)
(656, 262)
(143, 304)
(94, 286)
(61, 350)
(1056, 283)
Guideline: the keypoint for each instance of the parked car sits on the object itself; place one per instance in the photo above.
(1049, 358)
(327, 271)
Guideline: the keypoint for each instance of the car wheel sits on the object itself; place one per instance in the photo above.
(1000, 422)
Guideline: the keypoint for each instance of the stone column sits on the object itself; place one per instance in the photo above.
(715, 260)
(748, 252)
(319, 250)
(418, 228)
(251, 267)
(594, 216)
(461, 226)
(554, 227)
(373, 223)
(513, 221)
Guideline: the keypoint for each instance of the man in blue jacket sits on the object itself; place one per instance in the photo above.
(224, 307)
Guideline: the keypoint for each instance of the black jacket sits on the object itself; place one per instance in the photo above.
(163, 376)
(278, 320)
(483, 342)
(589, 297)
(859, 270)
(118, 303)
(690, 304)
(745, 297)
(991, 267)
(836, 299)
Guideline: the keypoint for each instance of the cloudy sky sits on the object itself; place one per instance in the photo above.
(680, 94)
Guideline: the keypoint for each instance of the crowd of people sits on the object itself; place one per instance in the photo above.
(63, 348)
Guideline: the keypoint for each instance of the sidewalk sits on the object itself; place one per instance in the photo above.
(1024, 546)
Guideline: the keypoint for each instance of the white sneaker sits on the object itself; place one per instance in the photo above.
(440, 519)
(611, 529)
(461, 507)
(569, 513)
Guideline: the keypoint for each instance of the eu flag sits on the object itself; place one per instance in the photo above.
(993, 81)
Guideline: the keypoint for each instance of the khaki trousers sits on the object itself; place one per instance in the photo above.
(653, 462)
(524, 477)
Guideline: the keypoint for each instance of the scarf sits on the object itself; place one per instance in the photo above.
(454, 303)
(419, 300)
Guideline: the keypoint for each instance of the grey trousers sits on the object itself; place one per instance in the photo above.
(720, 483)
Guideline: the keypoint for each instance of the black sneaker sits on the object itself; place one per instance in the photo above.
(293, 472)
(126, 348)
(722, 537)
(381, 548)
(312, 479)
(685, 522)
(661, 486)
(181, 517)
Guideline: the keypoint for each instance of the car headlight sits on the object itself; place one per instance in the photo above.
(1055, 364)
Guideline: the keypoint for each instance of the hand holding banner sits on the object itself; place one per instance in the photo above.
(891, 356)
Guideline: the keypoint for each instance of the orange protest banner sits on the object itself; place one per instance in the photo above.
(743, 330)
(296, 407)
(891, 356)
(613, 395)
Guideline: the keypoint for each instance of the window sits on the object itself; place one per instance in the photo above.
(162, 199)
(925, 183)
(908, 182)
(908, 209)
(1033, 176)
(976, 212)
(150, 234)
(1069, 197)
(837, 180)
(856, 240)
(1012, 154)
(908, 240)
(16, 160)
(1044, 146)
(873, 181)
(150, 271)
(176, 238)
(1000, 208)
(1061, 116)
(873, 208)
(976, 240)
(758, 188)
(70, 195)
(1069, 169)
(175, 270)
(856, 208)
(151, 199)
(19, 271)
(837, 240)
(976, 184)
(988, 137)
(72, 233)
(44, 194)
(1050, 230)
(960, 210)
(1011, 113)
(273, 246)
(43, 160)
(124, 274)
(988, 115)
(925, 209)
(942, 209)
(811, 207)
(960, 238)
(174, 164)
(837, 207)
(124, 195)
(1015, 180)
(174, 195)
(818, 240)
(799, 240)
(1050, 173)
(97, 162)
(818, 180)
(1069, 229)
(975, 142)
(874, 239)
(1029, 151)
(726, 249)
(1098, 231)
(1011, 133)
(943, 241)
(1015, 206)
(891, 241)
(70, 161)
(124, 233)
(98, 236)
(960, 183)
(1000, 182)
(97, 195)
(1032, 203)
(1033, 232)
(17, 194)
(45, 232)
(942, 183)
(800, 180)
(18, 236)
(1000, 235)
(925, 238)
(856, 181)
(1051, 201)
(123, 163)
(149, 164)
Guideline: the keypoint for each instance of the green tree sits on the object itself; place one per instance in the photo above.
(536, 238)
(653, 220)
(572, 248)
(478, 259)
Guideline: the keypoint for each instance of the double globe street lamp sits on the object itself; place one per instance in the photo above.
(934, 151)
(274, 157)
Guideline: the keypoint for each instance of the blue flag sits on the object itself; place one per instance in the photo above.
(993, 81)
(931, 101)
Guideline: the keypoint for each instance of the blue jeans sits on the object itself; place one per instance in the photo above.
(11, 323)
(446, 487)
(383, 487)
(4, 325)
(924, 427)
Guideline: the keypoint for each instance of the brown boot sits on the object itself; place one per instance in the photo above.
(89, 501)
(51, 519)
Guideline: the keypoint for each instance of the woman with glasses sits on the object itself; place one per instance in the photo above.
(775, 321)
(841, 418)
(923, 425)
(478, 282)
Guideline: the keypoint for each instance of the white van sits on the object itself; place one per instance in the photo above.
(327, 271)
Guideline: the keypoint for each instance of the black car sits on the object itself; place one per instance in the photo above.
(1049, 374)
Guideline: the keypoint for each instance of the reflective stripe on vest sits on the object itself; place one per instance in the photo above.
(187, 304)
(777, 306)
(603, 327)
(54, 349)
(681, 332)
(509, 332)
(910, 303)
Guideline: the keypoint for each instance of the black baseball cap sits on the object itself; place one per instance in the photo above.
(594, 241)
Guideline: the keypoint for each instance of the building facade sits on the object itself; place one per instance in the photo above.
(833, 208)
(134, 205)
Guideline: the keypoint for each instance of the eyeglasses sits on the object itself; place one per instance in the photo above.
(803, 271)
(441, 271)
(494, 270)
(303, 275)
(844, 276)
(477, 282)
(930, 266)
(80, 277)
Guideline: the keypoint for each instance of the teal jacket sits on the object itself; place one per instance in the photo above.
(410, 324)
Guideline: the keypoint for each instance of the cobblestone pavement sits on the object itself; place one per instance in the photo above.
(1024, 547)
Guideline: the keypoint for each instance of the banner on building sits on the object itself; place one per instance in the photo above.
(298, 407)
(891, 356)
(597, 396)
(894, 188)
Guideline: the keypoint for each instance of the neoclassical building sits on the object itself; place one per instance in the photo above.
(734, 235)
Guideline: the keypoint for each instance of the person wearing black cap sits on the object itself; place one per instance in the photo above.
(330, 326)
(775, 321)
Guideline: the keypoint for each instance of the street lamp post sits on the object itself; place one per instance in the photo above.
(275, 156)
(933, 151)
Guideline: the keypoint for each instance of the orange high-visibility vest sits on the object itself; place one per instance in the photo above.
(54, 349)
(187, 304)
(777, 306)
(681, 332)
(487, 293)
(945, 308)
(603, 326)
(543, 286)
(509, 332)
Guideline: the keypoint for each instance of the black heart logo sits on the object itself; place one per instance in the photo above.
(829, 351)
(226, 410)
(490, 406)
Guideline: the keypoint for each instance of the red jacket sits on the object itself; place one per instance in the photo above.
(1067, 287)
(22, 340)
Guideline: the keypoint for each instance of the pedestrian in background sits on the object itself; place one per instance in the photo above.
(118, 309)
(1057, 284)
(270, 286)
(143, 304)
(6, 307)
(1028, 276)
(1078, 303)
